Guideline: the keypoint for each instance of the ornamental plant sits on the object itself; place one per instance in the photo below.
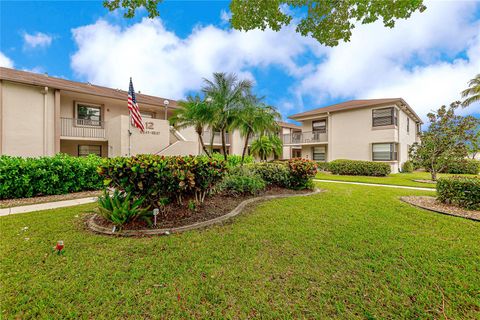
(359, 168)
(460, 191)
(302, 172)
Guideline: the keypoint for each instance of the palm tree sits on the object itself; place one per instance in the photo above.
(193, 112)
(472, 94)
(225, 93)
(255, 117)
(267, 145)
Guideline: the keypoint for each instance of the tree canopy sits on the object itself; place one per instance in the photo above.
(327, 21)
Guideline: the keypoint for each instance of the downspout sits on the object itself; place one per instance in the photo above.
(45, 98)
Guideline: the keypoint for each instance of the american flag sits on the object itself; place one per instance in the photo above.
(135, 116)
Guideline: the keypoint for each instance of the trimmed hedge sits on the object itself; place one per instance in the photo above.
(460, 191)
(359, 168)
(465, 166)
(30, 177)
(159, 177)
(323, 166)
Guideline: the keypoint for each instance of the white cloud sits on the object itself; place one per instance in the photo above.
(162, 63)
(225, 16)
(36, 40)
(427, 60)
(5, 61)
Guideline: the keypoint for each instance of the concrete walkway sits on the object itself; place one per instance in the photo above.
(46, 206)
(377, 185)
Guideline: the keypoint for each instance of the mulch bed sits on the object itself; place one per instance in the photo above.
(180, 215)
(430, 203)
(425, 181)
(8, 203)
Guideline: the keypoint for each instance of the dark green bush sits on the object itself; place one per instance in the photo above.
(120, 208)
(276, 174)
(242, 181)
(359, 168)
(29, 177)
(158, 177)
(407, 166)
(465, 166)
(302, 172)
(323, 166)
(460, 191)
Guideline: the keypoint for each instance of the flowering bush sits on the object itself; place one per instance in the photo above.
(158, 177)
(302, 172)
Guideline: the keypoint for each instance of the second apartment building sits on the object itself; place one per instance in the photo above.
(374, 130)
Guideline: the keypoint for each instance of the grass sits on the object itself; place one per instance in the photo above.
(352, 252)
(401, 179)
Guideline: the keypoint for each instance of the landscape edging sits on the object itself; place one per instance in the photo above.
(404, 199)
(93, 226)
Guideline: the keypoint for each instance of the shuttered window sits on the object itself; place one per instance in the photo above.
(384, 117)
(319, 153)
(85, 150)
(384, 151)
(319, 126)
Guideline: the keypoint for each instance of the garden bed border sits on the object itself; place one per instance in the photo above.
(93, 226)
(405, 199)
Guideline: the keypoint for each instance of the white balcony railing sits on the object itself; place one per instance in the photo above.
(81, 128)
(305, 137)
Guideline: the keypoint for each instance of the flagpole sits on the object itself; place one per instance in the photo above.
(130, 129)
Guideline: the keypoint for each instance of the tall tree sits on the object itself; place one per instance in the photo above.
(472, 93)
(267, 145)
(444, 141)
(225, 94)
(328, 21)
(255, 117)
(193, 112)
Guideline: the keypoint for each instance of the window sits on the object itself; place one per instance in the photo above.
(85, 150)
(408, 125)
(88, 115)
(319, 153)
(419, 128)
(384, 117)
(319, 126)
(384, 151)
(147, 115)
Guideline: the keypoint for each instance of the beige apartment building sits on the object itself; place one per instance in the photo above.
(42, 115)
(375, 130)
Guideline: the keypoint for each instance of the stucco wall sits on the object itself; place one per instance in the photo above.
(22, 116)
(406, 138)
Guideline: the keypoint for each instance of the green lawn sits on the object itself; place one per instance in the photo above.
(401, 179)
(352, 252)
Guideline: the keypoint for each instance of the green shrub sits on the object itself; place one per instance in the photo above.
(158, 177)
(241, 182)
(323, 166)
(359, 168)
(465, 166)
(121, 208)
(29, 177)
(460, 191)
(302, 172)
(276, 174)
(407, 167)
(233, 160)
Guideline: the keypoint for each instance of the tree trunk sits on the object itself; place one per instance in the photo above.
(212, 136)
(224, 145)
(202, 143)
(245, 147)
(434, 175)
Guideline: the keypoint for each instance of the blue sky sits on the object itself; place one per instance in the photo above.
(427, 59)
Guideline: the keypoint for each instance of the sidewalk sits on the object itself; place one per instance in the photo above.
(46, 206)
(377, 185)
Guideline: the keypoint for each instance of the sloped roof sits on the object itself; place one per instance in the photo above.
(288, 125)
(355, 104)
(80, 87)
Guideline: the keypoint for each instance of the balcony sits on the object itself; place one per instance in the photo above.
(81, 128)
(309, 137)
(217, 138)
